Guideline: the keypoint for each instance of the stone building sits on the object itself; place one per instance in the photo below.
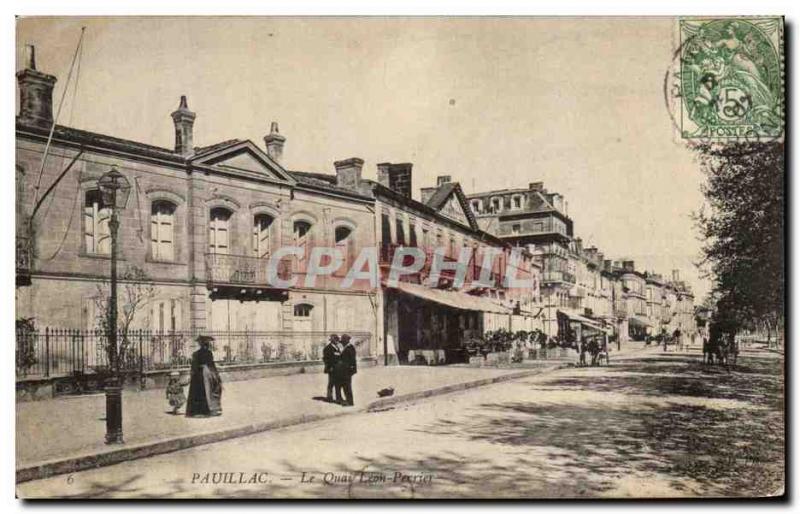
(536, 219)
(201, 222)
(204, 225)
(681, 298)
(424, 321)
(581, 290)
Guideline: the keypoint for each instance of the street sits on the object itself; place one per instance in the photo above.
(657, 425)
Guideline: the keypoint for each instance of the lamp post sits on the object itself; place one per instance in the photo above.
(115, 189)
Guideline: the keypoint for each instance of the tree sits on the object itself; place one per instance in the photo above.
(135, 292)
(744, 232)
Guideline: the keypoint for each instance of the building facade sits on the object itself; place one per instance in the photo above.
(580, 287)
(232, 242)
(200, 225)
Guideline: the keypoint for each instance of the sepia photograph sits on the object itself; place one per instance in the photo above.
(400, 257)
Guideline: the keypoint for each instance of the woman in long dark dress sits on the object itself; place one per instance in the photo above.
(205, 388)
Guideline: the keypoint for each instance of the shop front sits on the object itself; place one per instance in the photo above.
(638, 328)
(573, 327)
(432, 326)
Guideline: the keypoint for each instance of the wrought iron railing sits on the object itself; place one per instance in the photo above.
(65, 352)
(388, 251)
(558, 276)
(245, 270)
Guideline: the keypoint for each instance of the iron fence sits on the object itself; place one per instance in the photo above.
(63, 352)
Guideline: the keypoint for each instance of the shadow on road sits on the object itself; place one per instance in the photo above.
(696, 430)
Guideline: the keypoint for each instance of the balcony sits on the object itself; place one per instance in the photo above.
(243, 270)
(24, 261)
(555, 277)
(446, 277)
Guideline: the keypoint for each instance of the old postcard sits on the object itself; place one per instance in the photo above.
(400, 257)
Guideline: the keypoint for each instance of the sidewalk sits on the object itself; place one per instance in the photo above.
(67, 434)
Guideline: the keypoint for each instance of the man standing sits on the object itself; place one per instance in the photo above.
(346, 368)
(330, 354)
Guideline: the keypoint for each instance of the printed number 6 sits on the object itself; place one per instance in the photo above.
(70, 479)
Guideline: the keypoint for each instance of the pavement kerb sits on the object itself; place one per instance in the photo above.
(81, 462)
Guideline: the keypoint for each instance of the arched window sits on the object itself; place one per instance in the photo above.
(343, 237)
(303, 310)
(476, 206)
(218, 231)
(302, 236)
(96, 232)
(301, 228)
(342, 233)
(261, 226)
(162, 230)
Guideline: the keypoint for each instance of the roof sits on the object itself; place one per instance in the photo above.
(324, 181)
(85, 137)
(201, 150)
(440, 196)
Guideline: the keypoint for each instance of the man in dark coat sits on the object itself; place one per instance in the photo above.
(330, 354)
(344, 369)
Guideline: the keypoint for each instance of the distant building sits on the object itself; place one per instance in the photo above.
(580, 287)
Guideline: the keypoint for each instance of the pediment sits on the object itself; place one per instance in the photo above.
(450, 202)
(245, 157)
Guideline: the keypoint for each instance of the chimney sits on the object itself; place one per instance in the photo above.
(274, 142)
(396, 177)
(536, 186)
(184, 124)
(442, 180)
(676, 275)
(348, 172)
(425, 193)
(35, 92)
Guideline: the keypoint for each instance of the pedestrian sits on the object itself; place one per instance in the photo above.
(175, 395)
(581, 352)
(344, 370)
(205, 386)
(330, 354)
(706, 351)
(594, 350)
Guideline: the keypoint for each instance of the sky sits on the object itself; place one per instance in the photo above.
(576, 103)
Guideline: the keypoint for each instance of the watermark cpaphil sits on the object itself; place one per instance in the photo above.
(726, 82)
(468, 269)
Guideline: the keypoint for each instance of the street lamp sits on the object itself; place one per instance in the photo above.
(115, 189)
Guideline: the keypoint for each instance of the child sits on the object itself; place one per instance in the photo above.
(175, 394)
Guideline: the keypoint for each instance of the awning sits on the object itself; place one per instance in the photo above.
(452, 299)
(639, 322)
(574, 316)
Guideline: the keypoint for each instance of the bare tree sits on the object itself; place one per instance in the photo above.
(137, 291)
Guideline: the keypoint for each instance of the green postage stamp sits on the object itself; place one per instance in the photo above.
(731, 78)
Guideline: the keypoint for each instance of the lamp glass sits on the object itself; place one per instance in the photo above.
(111, 182)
